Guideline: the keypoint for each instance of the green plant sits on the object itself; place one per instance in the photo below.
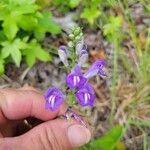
(89, 9)
(109, 141)
(135, 63)
(22, 26)
(67, 5)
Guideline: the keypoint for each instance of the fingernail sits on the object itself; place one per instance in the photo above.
(78, 135)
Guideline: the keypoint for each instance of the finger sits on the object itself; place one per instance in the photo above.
(53, 135)
(17, 104)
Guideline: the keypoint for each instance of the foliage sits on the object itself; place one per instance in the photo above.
(21, 22)
(90, 9)
(109, 141)
(136, 67)
(67, 5)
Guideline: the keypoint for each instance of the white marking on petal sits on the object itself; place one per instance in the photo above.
(51, 100)
(86, 97)
(76, 79)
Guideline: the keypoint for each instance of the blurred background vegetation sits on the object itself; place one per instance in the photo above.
(116, 30)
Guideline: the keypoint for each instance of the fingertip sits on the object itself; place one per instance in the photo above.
(19, 103)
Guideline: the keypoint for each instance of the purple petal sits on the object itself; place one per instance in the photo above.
(102, 73)
(75, 81)
(86, 96)
(95, 69)
(77, 70)
(54, 98)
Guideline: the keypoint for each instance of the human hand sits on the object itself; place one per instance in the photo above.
(53, 134)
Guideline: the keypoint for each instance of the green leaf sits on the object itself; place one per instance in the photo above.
(24, 9)
(2, 10)
(27, 22)
(13, 49)
(30, 59)
(90, 14)
(10, 27)
(45, 24)
(17, 12)
(1, 65)
(34, 51)
(110, 140)
(107, 142)
(16, 56)
(2, 36)
(43, 55)
(113, 25)
(74, 3)
(71, 98)
(43, 3)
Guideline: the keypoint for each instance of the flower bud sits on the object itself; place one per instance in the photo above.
(79, 46)
(71, 36)
(70, 44)
(96, 68)
(83, 57)
(77, 31)
(62, 52)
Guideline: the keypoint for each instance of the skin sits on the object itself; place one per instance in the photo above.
(17, 104)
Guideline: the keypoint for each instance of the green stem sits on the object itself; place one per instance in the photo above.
(115, 76)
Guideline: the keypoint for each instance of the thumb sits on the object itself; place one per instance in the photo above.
(53, 135)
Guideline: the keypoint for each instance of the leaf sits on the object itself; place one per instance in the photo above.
(74, 3)
(120, 146)
(27, 22)
(34, 51)
(2, 10)
(24, 9)
(13, 49)
(90, 14)
(110, 140)
(45, 24)
(107, 142)
(43, 55)
(19, 7)
(2, 36)
(1, 65)
(16, 56)
(113, 25)
(30, 59)
(10, 27)
(71, 98)
(43, 3)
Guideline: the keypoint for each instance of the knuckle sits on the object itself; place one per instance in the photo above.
(49, 141)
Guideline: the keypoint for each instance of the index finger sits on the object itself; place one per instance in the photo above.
(18, 104)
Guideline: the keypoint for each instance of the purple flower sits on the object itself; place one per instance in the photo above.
(62, 52)
(83, 57)
(96, 68)
(75, 79)
(86, 95)
(54, 98)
